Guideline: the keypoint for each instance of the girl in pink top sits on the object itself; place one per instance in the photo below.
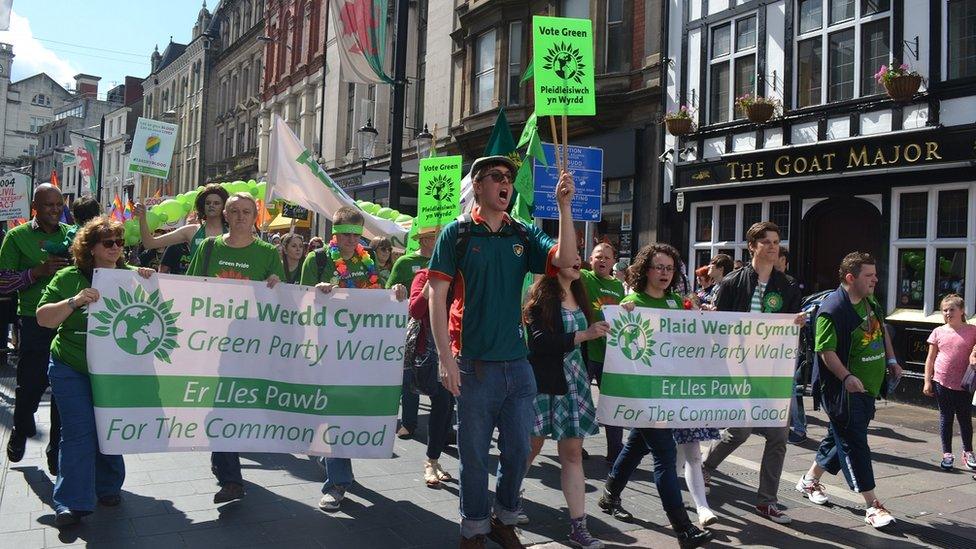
(952, 349)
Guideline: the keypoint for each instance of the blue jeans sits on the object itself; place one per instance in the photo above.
(338, 473)
(845, 448)
(410, 402)
(659, 443)
(84, 473)
(226, 466)
(798, 417)
(493, 394)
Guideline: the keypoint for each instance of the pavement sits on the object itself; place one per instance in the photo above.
(167, 498)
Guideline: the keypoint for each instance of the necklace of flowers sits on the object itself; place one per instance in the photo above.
(342, 268)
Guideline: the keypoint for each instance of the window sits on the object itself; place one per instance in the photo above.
(580, 9)
(961, 38)
(484, 72)
(618, 190)
(616, 59)
(514, 63)
(911, 278)
(934, 242)
(952, 214)
(350, 115)
(912, 215)
(950, 273)
(420, 88)
(41, 100)
(728, 222)
(733, 67)
(856, 37)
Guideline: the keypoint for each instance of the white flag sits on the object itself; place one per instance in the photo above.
(5, 8)
(294, 176)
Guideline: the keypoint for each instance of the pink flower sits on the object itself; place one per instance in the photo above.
(904, 66)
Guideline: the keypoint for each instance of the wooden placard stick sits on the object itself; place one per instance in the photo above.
(565, 143)
(555, 143)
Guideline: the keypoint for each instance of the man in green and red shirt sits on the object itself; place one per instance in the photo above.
(25, 267)
(481, 343)
(602, 289)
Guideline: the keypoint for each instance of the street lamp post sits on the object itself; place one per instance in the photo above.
(399, 102)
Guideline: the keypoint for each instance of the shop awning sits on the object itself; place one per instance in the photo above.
(282, 223)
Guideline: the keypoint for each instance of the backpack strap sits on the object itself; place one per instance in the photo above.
(463, 236)
(321, 262)
(208, 246)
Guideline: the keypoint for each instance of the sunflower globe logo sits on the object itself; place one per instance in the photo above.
(633, 335)
(139, 323)
(439, 187)
(565, 61)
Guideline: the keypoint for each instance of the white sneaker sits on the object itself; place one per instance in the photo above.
(521, 518)
(706, 517)
(333, 499)
(812, 490)
(877, 515)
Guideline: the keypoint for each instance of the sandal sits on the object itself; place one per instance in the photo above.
(442, 475)
(431, 478)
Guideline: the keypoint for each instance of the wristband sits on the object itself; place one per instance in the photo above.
(892, 361)
(843, 381)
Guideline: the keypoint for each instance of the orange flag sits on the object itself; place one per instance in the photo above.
(264, 216)
(54, 179)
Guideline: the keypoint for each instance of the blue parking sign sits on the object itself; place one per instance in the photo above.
(586, 165)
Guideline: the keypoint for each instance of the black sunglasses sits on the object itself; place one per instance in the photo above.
(498, 177)
(120, 242)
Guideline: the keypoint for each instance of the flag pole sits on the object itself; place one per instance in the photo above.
(555, 142)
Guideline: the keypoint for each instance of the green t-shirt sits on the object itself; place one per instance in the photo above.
(405, 268)
(357, 271)
(601, 291)
(486, 314)
(669, 301)
(69, 344)
(23, 248)
(867, 354)
(256, 261)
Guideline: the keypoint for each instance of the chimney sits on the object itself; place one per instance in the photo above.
(86, 85)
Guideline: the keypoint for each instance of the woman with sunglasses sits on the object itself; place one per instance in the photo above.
(209, 206)
(383, 256)
(85, 475)
(652, 277)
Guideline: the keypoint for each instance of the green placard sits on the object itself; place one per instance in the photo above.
(562, 59)
(439, 191)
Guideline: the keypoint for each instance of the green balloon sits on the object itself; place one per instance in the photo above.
(402, 218)
(262, 189)
(394, 214)
(383, 212)
(131, 234)
(170, 210)
(371, 208)
(153, 220)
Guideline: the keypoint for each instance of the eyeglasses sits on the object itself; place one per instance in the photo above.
(663, 268)
(498, 177)
(120, 242)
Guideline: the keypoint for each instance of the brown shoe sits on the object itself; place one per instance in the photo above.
(477, 542)
(504, 535)
(229, 492)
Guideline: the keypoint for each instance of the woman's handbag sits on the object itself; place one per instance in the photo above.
(969, 379)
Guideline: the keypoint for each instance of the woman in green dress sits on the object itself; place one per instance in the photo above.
(292, 257)
(558, 315)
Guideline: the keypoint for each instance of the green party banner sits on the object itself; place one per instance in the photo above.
(190, 363)
(440, 191)
(676, 368)
(563, 65)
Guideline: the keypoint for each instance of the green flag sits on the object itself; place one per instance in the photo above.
(530, 137)
(501, 141)
(528, 74)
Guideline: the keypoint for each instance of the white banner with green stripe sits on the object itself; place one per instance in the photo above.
(676, 368)
(186, 363)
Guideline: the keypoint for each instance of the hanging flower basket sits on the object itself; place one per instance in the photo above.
(760, 113)
(678, 126)
(758, 109)
(903, 88)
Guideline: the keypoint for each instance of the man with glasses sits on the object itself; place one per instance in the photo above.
(481, 343)
(758, 288)
(25, 267)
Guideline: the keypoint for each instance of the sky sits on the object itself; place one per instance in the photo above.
(108, 38)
